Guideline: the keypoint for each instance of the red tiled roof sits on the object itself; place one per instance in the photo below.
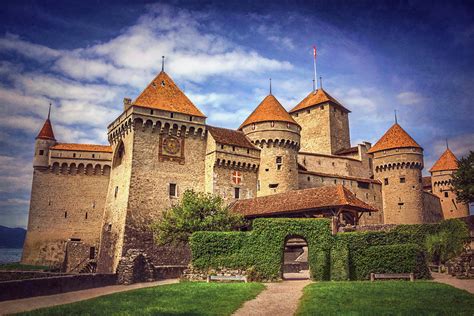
(270, 109)
(46, 131)
(163, 94)
(447, 161)
(230, 137)
(395, 137)
(314, 98)
(83, 147)
(301, 200)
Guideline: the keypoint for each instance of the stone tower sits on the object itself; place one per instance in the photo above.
(441, 183)
(43, 142)
(324, 123)
(271, 128)
(398, 161)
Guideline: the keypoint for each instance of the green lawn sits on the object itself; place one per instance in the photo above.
(385, 298)
(21, 267)
(187, 298)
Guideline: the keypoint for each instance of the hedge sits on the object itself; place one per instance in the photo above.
(343, 256)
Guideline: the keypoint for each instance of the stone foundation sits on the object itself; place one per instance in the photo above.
(194, 274)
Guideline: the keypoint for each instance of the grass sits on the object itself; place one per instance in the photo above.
(187, 298)
(21, 267)
(385, 298)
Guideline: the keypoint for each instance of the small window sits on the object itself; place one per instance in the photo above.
(85, 216)
(65, 214)
(222, 146)
(74, 155)
(258, 185)
(93, 155)
(173, 192)
(233, 148)
(151, 112)
(363, 185)
(236, 193)
(322, 107)
(278, 167)
(296, 114)
(273, 185)
(335, 181)
(41, 152)
(253, 126)
(333, 164)
(308, 111)
(273, 123)
(279, 159)
(190, 118)
(402, 180)
(248, 151)
(266, 169)
(309, 179)
(109, 227)
(446, 194)
(385, 181)
(92, 253)
(116, 192)
(171, 115)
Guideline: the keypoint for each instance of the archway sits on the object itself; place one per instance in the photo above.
(295, 265)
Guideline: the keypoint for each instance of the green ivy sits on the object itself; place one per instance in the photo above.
(343, 256)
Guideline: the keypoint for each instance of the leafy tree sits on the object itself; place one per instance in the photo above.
(196, 211)
(449, 242)
(463, 179)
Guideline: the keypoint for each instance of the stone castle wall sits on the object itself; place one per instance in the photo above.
(441, 183)
(63, 206)
(432, 211)
(399, 171)
(339, 125)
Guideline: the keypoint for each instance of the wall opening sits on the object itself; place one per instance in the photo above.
(295, 265)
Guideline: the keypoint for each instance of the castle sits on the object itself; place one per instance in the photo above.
(90, 204)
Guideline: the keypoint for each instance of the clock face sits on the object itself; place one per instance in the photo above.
(171, 145)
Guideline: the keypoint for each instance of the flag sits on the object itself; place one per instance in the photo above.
(314, 51)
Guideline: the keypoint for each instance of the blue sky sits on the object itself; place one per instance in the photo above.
(85, 57)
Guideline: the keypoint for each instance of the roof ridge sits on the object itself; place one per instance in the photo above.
(46, 131)
(315, 98)
(269, 109)
(394, 137)
(447, 161)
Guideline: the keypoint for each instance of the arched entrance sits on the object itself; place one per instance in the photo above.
(295, 264)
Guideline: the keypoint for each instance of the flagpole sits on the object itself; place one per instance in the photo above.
(314, 64)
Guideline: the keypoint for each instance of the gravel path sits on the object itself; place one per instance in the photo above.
(278, 299)
(28, 304)
(467, 285)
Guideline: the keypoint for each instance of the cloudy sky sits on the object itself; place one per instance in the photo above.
(86, 56)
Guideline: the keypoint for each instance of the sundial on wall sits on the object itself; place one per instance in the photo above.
(171, 148)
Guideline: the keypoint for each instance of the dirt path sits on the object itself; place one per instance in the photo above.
(278, 299)
(467, 285)
(27, 304)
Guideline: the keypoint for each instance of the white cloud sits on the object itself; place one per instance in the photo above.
(409, 98)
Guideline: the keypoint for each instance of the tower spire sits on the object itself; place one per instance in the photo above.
(314, 87)
(270, 86)
(447, 145)
(396, 121)
(314, 65)
(321, 82)
(49, 111)
(162, 63)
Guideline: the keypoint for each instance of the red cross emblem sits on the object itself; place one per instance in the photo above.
(236, 177)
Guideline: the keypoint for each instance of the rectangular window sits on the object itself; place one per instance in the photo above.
(93, 156)
(65, 214)
(151, 112)
(362, 185)
(402, 180)
(222, 146)
(41, 152)
(92, 253)
(258, 185)
(74, 155)
(385, 181)
(171, 115)
(116, 192)
(279, 159)
(446, 194)
(190, 118)
(237, 193)
(233, 148)
(173, 189)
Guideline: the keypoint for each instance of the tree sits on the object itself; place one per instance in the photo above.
(195, 212)
(463, 179)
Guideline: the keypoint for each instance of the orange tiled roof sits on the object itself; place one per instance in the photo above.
(270, 109)
(314, 98)
(163, 94)
(447, 161)
(46, 131)
(230, 137)
(395, 137)
(83, 147)
(301, 200)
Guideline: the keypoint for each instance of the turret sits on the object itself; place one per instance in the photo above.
(441, 183)
(398, 161)
(44, 141)
(324, 123)
(271, 128)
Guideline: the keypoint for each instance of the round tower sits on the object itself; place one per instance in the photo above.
(442, 185)
(43, 142)
(398, 161)
(272, 129)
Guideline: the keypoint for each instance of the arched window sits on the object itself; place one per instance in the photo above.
(119, 155)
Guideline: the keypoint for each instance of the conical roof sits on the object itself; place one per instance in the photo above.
(46, 131)
(314, 98)
(163, 94)
(395, 137)
(447, 161)
(270, 109)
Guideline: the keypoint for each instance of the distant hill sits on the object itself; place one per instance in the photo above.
(12, 237)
